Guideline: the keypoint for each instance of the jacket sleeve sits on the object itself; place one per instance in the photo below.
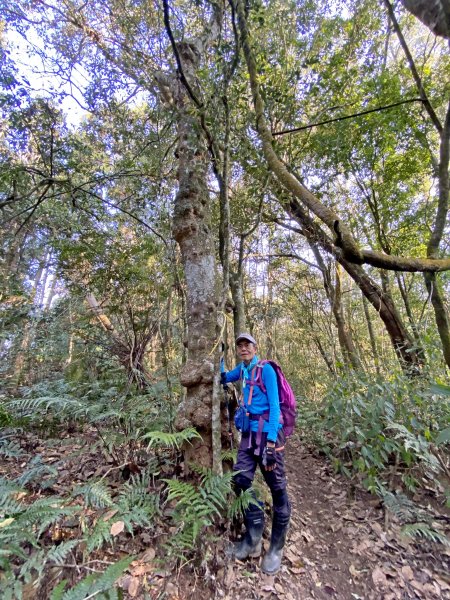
(233, 375)
(270, 381)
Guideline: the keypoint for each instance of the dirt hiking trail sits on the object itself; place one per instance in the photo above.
(337, 547)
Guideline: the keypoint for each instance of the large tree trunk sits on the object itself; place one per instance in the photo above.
(435, 14)
(410, 357)
(373, 343)
(237, 294)
(404, 293)
(191, 229)
(431, 280)
(440, 313)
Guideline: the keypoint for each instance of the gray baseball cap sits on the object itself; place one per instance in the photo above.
(247, 337)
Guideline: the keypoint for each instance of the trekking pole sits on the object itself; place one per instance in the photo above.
(227, 397)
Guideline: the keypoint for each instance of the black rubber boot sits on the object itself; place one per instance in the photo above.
(250, 545)
(272, 560)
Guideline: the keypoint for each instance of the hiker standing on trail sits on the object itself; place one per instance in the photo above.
(262, 444)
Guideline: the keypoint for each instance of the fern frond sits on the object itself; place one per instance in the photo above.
(400, 505)
(8, 487)
(241, 503)
(95, 584)
(103, 416)
(36, 472)
(95, 494)
(424, 530)
(99, 535)
(417, 444)
(230, 455)
(136, 517)
(5, 418)
(184, 492)
(135, 494)
(58, 591)
(58, 554)
(62, 405)
(170, 440)
(9, 447)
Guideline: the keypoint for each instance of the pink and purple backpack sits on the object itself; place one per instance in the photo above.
(285, 394)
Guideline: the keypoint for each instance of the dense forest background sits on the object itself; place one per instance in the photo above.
(174, 173)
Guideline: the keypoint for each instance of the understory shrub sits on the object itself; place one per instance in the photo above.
(382, 430)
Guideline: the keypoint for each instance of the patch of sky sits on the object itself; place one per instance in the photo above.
(39, 70)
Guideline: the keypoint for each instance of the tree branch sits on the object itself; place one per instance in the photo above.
(344, 237)
(413, 68)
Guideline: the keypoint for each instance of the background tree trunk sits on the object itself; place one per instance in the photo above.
(408, 355)
(334, 296)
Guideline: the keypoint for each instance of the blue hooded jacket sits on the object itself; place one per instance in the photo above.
(261, 402)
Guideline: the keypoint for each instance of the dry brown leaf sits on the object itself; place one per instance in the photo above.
(364, 545)
(407, 573)
(171, 590)
(443, 584)
(108, 515)
(297, 570)
(315, 577)
(376, 527)
(431, 590)
(229, 576)
(296, 536)
(149, 555)
(133, 587)
(378, 577)
(307, 536)
(141, 570)
(117, 527)
(267, 582)
(417, 585)
(349, 517)
(291, 555)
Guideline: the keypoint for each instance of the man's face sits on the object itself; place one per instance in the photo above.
(246, 351)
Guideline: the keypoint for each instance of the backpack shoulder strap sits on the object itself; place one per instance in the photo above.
(259, 370)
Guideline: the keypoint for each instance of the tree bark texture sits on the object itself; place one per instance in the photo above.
(440, 313)
(373, 342)
(237, 294)
(431, 281)
(192, 231)
(435, 14)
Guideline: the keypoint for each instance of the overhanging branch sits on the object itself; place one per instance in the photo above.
(344, 238)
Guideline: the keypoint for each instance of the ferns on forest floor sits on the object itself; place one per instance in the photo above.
(28, 525)
(98, 585)
(127, 423)
(171, 440)
(416, 522)
(198, 505)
